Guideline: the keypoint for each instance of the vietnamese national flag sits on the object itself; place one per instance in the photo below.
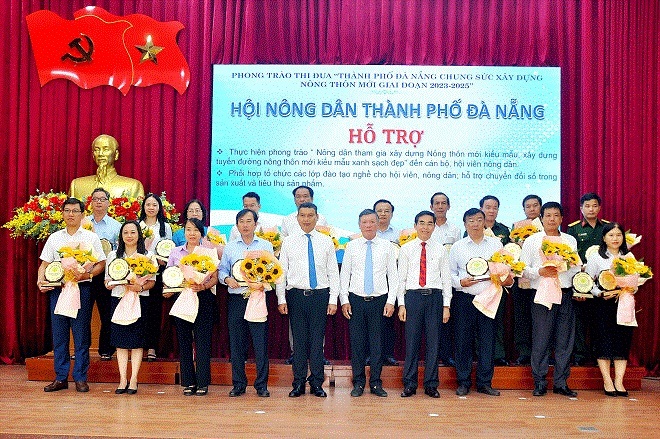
(52, 35)
(168, 66)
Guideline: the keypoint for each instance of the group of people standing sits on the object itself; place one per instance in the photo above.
(426, 279)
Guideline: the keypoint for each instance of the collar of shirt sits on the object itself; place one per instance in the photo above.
(176, 255)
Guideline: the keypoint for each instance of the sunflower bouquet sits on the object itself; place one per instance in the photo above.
(524, 229)
(407, 235)
(504, 257)
(273, 236)
(629, 273)
(260, 267)
(261, 270)
(628, 265)
(39, 217)
(554, 253)
(559, 254)
(80, 253)
(215, 240)
(215, 237)
(327, 230)
(197, 267)
(199, 262)
(128, 310)
(76, 258)
(500, 265)
(142, 265)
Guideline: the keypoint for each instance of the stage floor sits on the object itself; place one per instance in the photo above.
(160, 410)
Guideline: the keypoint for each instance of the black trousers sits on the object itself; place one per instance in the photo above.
(101, 295)
(500, 352)
(446, 348)
(555, 325)
(522, 319)
(200, 332)
(423, 315)
(308, 316)
(240, 332)
(584, 322)
(470, 322)
(365, 325)
(388, 337)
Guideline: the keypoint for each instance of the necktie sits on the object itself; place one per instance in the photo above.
(422, 266)
(368, 271)
(310, 261)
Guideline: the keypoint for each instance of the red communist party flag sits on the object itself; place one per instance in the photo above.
(142, 51)
(152, 47)
(84, 51)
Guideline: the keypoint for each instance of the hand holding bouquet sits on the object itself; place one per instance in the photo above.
(500, 265)
(197, 267)
(261, 270)
(630, 273)
(554, 253)
(143, 269)
(77, 261)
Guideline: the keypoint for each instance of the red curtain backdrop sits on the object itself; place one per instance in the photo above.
(607, 50)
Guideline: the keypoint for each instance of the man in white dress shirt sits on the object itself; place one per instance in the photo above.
(308, 295)
(290, 225)
(73, 211)
(468, 319)
(554, 326)
(424, 298)
(368, 291)
(445, 233)
(385, 211)
(252, 201)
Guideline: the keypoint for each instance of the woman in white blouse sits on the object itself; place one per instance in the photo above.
(128, 337)
(612, 341)
(152, 216)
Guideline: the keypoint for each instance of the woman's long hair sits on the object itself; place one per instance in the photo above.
(121, 245)
(602, 249)
(160, 217)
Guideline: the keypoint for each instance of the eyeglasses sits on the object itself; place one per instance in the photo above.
(69, 211)
(194, 210)
(99, 200)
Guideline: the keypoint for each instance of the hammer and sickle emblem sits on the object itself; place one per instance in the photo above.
(85, 55)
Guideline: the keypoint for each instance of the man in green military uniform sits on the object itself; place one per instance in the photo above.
(588, 232)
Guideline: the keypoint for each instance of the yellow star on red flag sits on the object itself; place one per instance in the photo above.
(149, 51)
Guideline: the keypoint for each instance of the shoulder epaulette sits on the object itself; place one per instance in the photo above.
(574, 223)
